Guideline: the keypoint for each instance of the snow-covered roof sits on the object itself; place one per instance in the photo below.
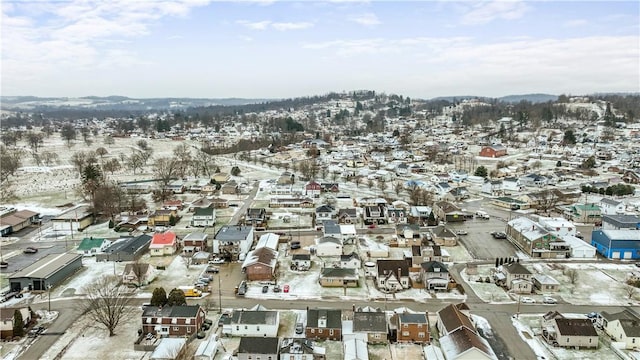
(168, 348)
(530, 229)
(622, 234)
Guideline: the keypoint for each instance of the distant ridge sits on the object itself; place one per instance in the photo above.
(532, 98)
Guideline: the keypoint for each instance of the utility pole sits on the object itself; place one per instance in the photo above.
(219, 295)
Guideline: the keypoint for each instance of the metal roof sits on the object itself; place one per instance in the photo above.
(47, 266)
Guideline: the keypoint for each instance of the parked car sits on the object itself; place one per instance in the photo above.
(242, 288)
(549, 300)
(276, 288)
(285, 288)
(295, 245)
(265, 289)
(498, 235)
(299, 328)
(461, 232)
(527, 300)
(30, 250)
(638, 264)
(216, 261)
(213, 269)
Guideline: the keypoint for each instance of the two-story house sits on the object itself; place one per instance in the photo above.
(233, 242)
(194, 242)
(397, 215)
(262, 323)
(435, 276)
(204, 217)
(324, 212)
(312, 189)
(184, 320)
(611, 207)
(7, 320)
(413, 328)
(256, 217)
(350, 261)
(138, 274)
(517, 278)
(453, 317)
(347, 216)
(162, 217)
(393, 275)
(251, 348)
(328, 246)
(375, 215)
(301, 349)
(92, 246)
(623, 327)
(535, 240)
(324, 324)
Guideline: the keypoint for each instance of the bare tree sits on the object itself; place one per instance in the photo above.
(630, 291)
(164, 170)
(139, 269)
(572, 274)
(107, 302)
(397, 187)
(183, 159)
(34, 140)
(547, 200)
(68, 133)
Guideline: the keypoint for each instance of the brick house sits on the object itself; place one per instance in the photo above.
(324, 324)
(413, 328)
(173, 321)
(313, 189)
(260, 264)
(194, 242)
(493, 151)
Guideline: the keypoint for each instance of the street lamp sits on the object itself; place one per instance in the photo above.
(49, 295)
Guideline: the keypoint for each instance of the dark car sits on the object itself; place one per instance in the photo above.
(498, 235)
(30, 250)
(295, 245)
(265, 289)
(213, 269)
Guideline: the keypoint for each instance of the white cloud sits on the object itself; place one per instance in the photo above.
(284, 26)
(280, 26)
(368, 19)
(487, 11)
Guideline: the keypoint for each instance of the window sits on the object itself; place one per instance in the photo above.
(175, 328)
(319, 331)
(237, 328)
(421, 335)
(567, 339)
(405, 333)
(330, 331)
(313, 331)
(405, 325)
(257, 328)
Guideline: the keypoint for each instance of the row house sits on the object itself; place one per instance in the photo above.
(280, 202)
(173, 321)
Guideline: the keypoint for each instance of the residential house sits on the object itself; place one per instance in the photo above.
(162, 244)
(533, 180)
(446, 211)
(263, 323)
(374, 215)
(393, 275)
(620, 222)
(328, 246)
(324, 324)
(173, 321)
(233, 242)
(138, 274)
(219, 203)
(163, 217)
(301, 349)
(172, 204)
(435, 276)
(256, 217)
(126, 249)
(351, 261)
(338, 277)
(258, 348)
(511, 184)
(230, 188)
(443, 236)
(260, 264)
(312, 189)
(617, 244)
(204, 217)
(631, 177)
(202, 202)
(623, 327)
(92, 246)
(301, 262)
(407, 234)
(422, 215)
(330, 187)
(466, 344)
(535, 240)
(516, 278)
(545, 283)
(492, 187)
(194, 242)
(397, 215)
(571, 333)
(288, 202)
(611, 207)
(347, 216)
(413, 328)
(372, 323)
(586, 213)
(354, 347)
(493, 151)
(454, 317)
(8, 319)
(324, 212)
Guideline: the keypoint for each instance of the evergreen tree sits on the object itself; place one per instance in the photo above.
(481, 171)
(159, 297)
(18, 323)
(176, 297)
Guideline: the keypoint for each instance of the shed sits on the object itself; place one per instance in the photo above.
(207, 349)
(51, 270)
(168, 349)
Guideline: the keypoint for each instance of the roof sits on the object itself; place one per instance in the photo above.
(204, 211)
(463, 340)
(128, 245)
(259, 317)
(339, 273)
(90, 243)
(331, 227)
(301, 257)
(268, 240)
(355, 349)
(195, 236)
(610, 201)
(629, 321)
(166, 238)
(333, 316)
(296, 346)
(47, 266)
(370, 321)
(258, 345)
(176, 311)
(329, 239)
(452, 318)
(76, 213)
(545, 279)
(575, 327)
(530, 229)
(385, 266)
(349, 257)
(233, 233)
(632, 235)
(263, 255)
(12, 220)
(621, 220)
(516, 268)
(434, 266)
(25, 214)
(140, 268)
(412, 318)
(167, 348)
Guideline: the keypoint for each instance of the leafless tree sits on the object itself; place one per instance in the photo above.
(165, 170)
(107, 302)
(139, 269)
(572, 274)
(397, 187)
(548, 199)
(34, 140)
(630, 291)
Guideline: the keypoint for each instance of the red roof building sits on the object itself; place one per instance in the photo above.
(163, 244)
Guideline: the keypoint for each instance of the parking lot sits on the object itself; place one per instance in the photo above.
(479, 242)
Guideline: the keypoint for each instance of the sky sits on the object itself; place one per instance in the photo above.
(277, 49)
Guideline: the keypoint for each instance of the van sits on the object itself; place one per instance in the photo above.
(299, 324)
(482, 215)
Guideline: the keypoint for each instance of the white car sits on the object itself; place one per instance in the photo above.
(549, 300)
(216, 261)
(527, 300)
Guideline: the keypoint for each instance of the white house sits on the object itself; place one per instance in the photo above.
(623, 327)
(511, 184)
(262, 323)
(204, 217)
(328, 246)
(611, 207)
(351, 261)
(233, 241)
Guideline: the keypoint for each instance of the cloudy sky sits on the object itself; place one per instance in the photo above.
(273, 49)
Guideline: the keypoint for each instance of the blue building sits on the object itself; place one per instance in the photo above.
(617, 244)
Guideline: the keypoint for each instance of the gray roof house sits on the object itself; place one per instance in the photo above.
(258, 348)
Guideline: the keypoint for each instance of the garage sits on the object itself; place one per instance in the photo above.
(51, 270)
